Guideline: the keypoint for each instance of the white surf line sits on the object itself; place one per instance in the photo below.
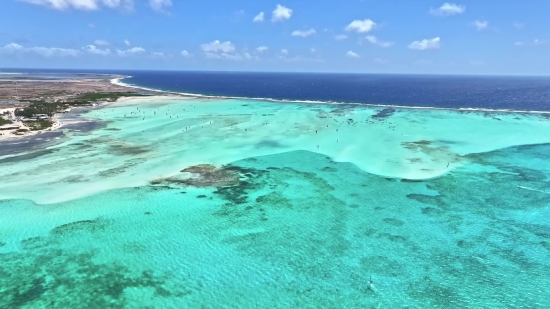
(531, 189)
(118, 82)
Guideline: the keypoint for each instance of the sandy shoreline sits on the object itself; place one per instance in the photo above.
(18, 94)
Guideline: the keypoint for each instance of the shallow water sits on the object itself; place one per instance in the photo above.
(106, 218)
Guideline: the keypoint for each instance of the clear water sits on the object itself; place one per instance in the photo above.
(436, 213)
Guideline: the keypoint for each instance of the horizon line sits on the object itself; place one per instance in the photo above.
(280, 72)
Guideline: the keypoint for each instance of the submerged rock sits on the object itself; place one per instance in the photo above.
(203, 175)
(383, 114)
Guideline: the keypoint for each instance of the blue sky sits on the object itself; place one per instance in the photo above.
(368, 36)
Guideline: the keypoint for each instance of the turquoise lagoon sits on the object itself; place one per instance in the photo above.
(189, 203)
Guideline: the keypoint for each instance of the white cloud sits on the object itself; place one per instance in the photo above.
(223, 50)
(340, 37)
(91, 25)
(518, 25)
(284, 51)
(259, 17)
(217, 46)
(538, 42)
(96, 51)
(123, 4)
(448, 9)
(127, 43)
(158, 55)
(372, 39)
(86, 5)
(210, 55)
(312, 50)
(477, 63)
(519, 43)
(160, 5)
(186, 54)
(261, 49)
(480, 24)
(426, 44)
(381, 61)
(12, 47)
(352, 54)
(304, 33)
(281, 13)
(361, 26)
(101, 42)
(131, 51)
(42, 51)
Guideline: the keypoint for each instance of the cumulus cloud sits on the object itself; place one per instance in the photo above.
(312, 50)
(223, 50)
(281, 13)
(518, 25)
(361, 26)
(101, 42)
(480, 24)
(284, 51)
(160, 5)
(304, 33)
(538, 42)
(229, 56)
(13, 48)
(434, 43)
(519, 43)
(91, 25)
(259, 18)
(340, 37)
(374, 40)
(158, 55)
(124, 4)
(87, 5)
(131, 51)
(217, 46)
(261, 49)
(185, 54)
(126, 42)
(352, 54)
(96, 51)
(448, 9)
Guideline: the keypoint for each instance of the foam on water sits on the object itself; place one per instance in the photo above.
(280, 222)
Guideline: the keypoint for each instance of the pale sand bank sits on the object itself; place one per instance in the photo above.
(151, 138)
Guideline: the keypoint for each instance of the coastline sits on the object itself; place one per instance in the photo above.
(67, 92)
(148, 94)
(118, 81)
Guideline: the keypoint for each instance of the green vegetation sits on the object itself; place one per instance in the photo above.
(39, 107)
(109, 96)
(4, 121)
(38, 125)
(42, 107)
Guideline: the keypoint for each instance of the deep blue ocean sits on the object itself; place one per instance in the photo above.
(445, 91)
